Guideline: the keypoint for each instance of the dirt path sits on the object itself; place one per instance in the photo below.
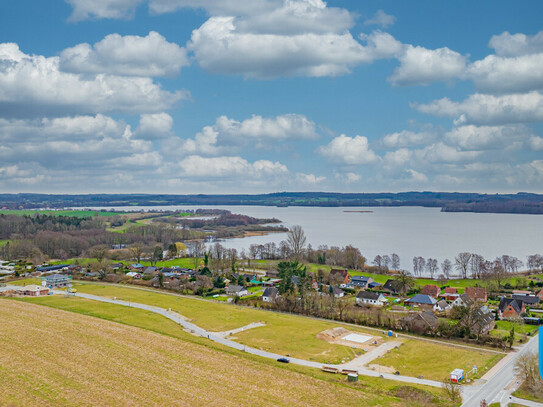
(361, 361)
(252, 325)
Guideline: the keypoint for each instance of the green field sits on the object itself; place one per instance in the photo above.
(435, 361)
(72, 213)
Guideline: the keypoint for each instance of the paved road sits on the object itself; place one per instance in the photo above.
(214, 337)
(494, 390)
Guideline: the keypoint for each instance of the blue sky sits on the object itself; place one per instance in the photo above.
(224, 96)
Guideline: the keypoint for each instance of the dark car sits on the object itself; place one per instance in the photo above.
(283, 360)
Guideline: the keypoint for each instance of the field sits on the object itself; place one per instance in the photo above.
(73, 213)
(436, 361)
(52, 357)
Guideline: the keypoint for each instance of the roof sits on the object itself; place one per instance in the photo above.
(475, 292)
(515, 304)
(373, 284)
(235, 288)
(337, 291)
(421, 299)
(466, 299)
(430, 288)
(55, 277)
(450, 290)
(342, 272)
(366, 295)
(32, 287)
(443, 304)
(270, 292)
(528, 299)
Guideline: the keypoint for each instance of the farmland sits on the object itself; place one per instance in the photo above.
(80, 360)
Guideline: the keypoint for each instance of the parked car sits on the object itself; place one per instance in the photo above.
(283, 360)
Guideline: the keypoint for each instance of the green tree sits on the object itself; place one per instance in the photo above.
(511, 338)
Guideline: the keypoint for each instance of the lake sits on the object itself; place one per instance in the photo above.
(407, 231)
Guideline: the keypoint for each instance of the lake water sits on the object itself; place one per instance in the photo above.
(407, 231)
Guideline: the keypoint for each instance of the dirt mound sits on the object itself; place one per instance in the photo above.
(332, 334)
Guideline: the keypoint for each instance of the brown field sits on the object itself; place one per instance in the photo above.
(54, 357)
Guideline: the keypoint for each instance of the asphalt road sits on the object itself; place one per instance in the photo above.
(493, 390)
(219, 339)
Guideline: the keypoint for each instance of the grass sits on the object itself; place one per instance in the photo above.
(524, 393)
(283, 333)
(436, 361)
(26, 281)
(110, 362)
(503, 329)
(72, 213)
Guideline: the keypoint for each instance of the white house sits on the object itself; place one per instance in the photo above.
(441, 306)
(236, 290)
(270, 294)
(369, 298)
(463, 300)
(133, 274)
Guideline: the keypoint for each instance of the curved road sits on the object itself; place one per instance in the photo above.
(219, 339)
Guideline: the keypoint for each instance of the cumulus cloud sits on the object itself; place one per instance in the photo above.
(443, 153)
(484, 109)
(37, 84)
(422, 66)
(349, 151)
(513, 45)
(229, 166)
(381, 18)
(472, 137)
(154, 126)
(398, 158)
(118, 9)
(130, 55)
(407, 138)
(311, 179)
(536, 143)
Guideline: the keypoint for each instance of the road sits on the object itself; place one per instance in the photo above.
(177, 318)
(494, 389)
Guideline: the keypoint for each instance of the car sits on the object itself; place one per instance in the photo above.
(283, 360)
(397, 373)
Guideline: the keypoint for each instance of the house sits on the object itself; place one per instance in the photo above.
(337, 292)
(149, 270)
(369, 298)
(481, 320)
(135, 266)
(56, 281)
(422, 300)
(510, 308)
(522, 292)
(529, 300)
(360, 282)
(273, 282)
(134, 274)
(236, 290)
(450, 294)
(419, 322)
(391, 287)
(463, 300)
(540, 294)
(33, 290)
(270, 294)
(48, 269)
(477, 293)
(431, 290)
(441, 306)
(373, 285)
(341, 276)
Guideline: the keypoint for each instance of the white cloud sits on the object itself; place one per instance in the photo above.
(37, 84)
(398, 158)
(349, 150)
(309, 178)
(415, 176)
(482, 109)
(381, 18)
(154, 126)
(216, 7)
(443, 153)
(422, 66)
(536, 143)
(130, 55)
(221, 167)
(407, 138)
(512, 45)
(472, 137)
(119, 9)
(496, 74)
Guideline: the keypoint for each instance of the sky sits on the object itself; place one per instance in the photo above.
(256, 96)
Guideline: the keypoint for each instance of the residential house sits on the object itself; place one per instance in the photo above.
(133, 274)
(360, 282)
(48, 269)
(341, 275)
(419, 322)
(540, 294)
(391, 287)
(477, 293)
(56, 281)
(373, 285)
(511, 308)
(270, 294)
(273, 282)
(529, 300)
(431, 290)
(422, 300)
(338, 292)
(33, 290)
(151, 270)
(463, 300)
(450, 294)
(441, 306)
(481, 319)
(136, 266)
(236, 290)
(369, 298)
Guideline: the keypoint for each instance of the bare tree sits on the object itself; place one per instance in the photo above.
(415, 266)
(386, 262)
(431, 266)
(527, 368)
(378, 262)
(452, 390)
(137, 251)
(395, 261)
(403, 282)
(421, 264)
(296, 240)
(462, 263)
(446, 267)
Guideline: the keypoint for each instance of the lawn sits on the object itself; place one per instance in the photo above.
(503, 329)
(525, 393)
(62, 374)
(25, 281)
(283, 333)
(436, 361)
